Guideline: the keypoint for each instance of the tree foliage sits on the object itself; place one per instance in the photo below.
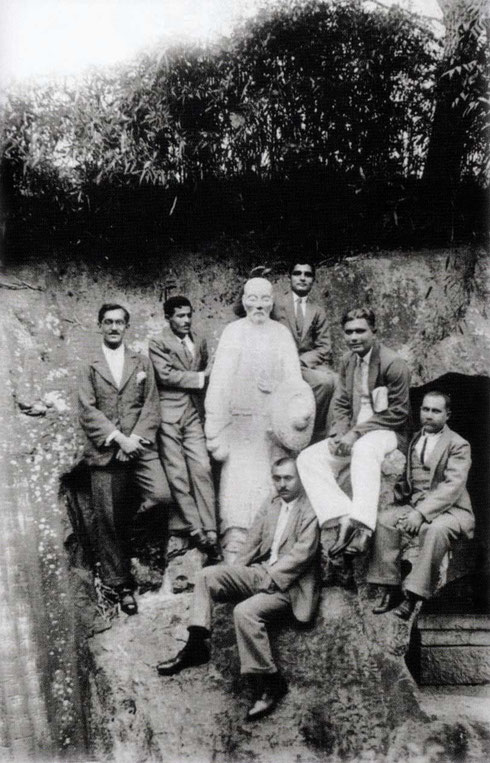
(330, 98)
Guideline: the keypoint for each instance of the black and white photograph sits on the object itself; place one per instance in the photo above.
(244, 381)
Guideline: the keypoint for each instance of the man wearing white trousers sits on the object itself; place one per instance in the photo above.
(370, 419)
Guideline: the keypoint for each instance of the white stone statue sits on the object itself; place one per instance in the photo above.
(254, 355)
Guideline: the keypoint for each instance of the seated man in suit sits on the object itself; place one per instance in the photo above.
(308, 324)
(119, 413)
(370, 417)
(275, 575)
(439, 510)
(180, 361)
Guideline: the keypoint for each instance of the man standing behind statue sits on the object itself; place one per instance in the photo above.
(254, 355)
(434, 485)
(119, 414)
(180, 361)
(370, 418)
(308, 325)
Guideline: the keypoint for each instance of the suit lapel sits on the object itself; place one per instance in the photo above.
(290, 314)
(309, 315)
(177, 347)
(289, 524)
(437, 453)
(128, 368)
(413, 443)
(102, 367)
(271, 524)
(374, 366)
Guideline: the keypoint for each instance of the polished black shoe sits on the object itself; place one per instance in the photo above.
(199, 540)
(359, 542)
(213, 555)
(127, 602)
(274, 687)
(190, 656)
(346, 531)
(405, 610)
(390, 598)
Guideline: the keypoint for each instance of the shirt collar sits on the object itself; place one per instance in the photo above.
(365, 358)
(108, 351)
(297, 298)
(432, 435)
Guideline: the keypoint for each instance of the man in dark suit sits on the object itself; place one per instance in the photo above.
(308, 324)
(370, 418)
(434, 486)
(180, 361)
(119, 413)
(275, 575)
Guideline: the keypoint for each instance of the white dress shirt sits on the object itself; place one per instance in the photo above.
(366, 409)
(299, 304)
(431, 438)
(284, 515)
(115, 361)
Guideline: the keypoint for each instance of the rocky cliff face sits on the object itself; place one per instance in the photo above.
(350, 693)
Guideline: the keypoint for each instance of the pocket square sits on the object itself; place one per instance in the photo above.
(380, 399)
(140, 377)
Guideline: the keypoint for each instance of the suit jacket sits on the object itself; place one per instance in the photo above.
(313, 345)
(297, 569)
(386, 369)
(449, 464)
(103, 407)
(180, 384)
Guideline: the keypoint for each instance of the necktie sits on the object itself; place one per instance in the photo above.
(357, 388)
(187, 353)
(299, 317)
(422, 452)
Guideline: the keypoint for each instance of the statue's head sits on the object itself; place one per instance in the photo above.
(257, 299)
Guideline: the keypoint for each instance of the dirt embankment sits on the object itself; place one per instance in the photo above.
(431, 308)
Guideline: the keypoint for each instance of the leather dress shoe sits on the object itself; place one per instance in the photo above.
(405, 610)
(127, 602)
(390, 598)
(274, 687)
(200, 540)
(359, 542)
(346, 532)
(190, 656)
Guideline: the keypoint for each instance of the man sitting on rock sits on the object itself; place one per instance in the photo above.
(309, 327)
(370, 415)
(434, 486)
(275, 575)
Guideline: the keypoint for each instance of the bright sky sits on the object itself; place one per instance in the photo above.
(39, 38)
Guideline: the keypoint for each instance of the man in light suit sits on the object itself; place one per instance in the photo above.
(308, 324)
(434, 486)
(275, 575)
(370, 418)
(119, 413)
(180, 361)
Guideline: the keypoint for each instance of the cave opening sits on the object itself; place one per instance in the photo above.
(467, 587)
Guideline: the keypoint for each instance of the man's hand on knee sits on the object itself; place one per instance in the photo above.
(268, 585)
(346, 443)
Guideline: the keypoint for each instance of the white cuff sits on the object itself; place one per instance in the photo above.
(111, 437)
(202, 379)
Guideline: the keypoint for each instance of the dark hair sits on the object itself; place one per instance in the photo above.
(360, 313)
(173, 303)
(438, 393)
(301, 261)
(283, 460)
(107, 307)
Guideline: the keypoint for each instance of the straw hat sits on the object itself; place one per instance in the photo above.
(292, 415)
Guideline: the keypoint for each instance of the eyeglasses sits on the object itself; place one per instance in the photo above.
(119, 323)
